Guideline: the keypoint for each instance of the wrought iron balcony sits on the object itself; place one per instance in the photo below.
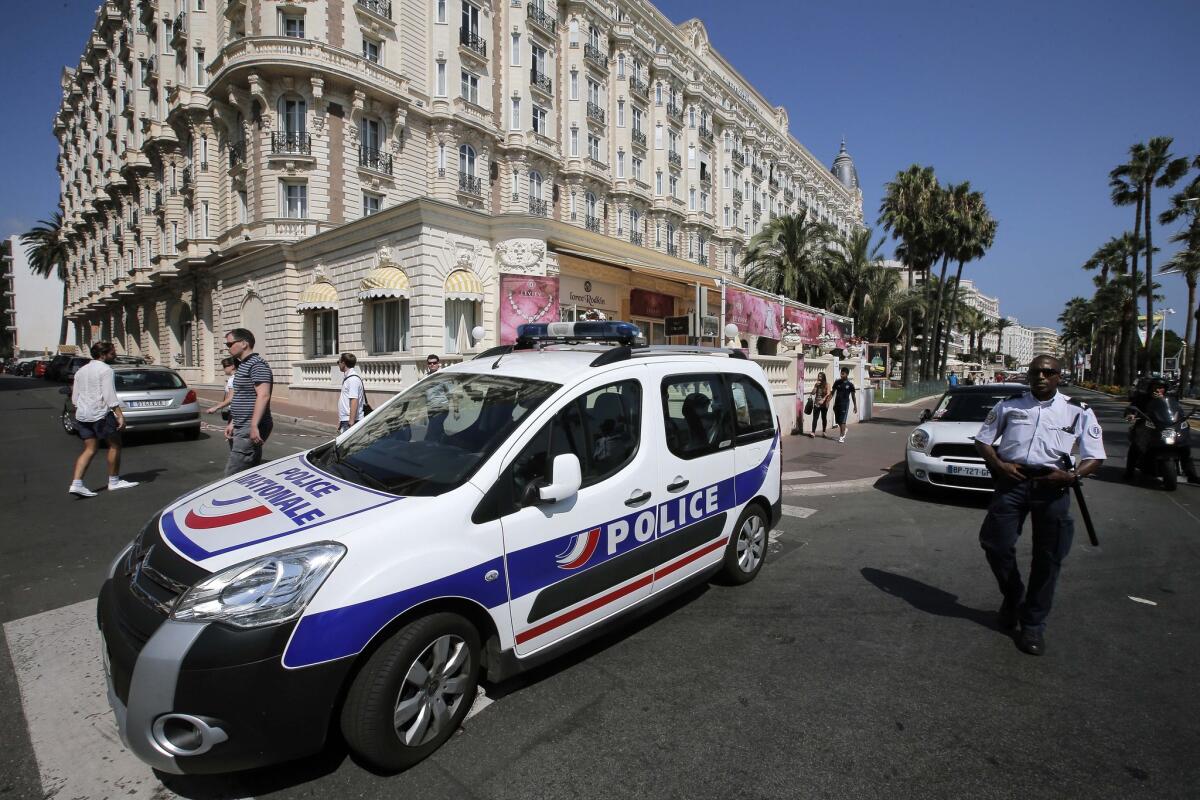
(595, 112)
(541, 81)
(539, 208)
(179, 29)
(150, 70)
(592, 224)
(737, 197)
(639, 137)
(757, 172)
(635, 237)
(674, 111)
(702, 260)
(381, 7)
(237, 154)
(473, 42)
(672, 250)
(757, 209)
(540, 18)
(675, 159)
(469, 184)
(373, 158)
(739, 161)
(774, 184)
(185, 180)
(639, 86)
(158, 199)
(592, 53)
(706, 134)
(298, 143)
(789, 196)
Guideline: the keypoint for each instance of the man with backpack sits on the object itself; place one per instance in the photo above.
(352, 405)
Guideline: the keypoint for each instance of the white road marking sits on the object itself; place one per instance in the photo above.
(60, 675)
(800, 512)
(801, 474)
(1142, 600)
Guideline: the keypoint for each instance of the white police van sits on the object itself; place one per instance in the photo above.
(485, 519)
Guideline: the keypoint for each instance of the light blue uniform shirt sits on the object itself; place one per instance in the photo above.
(1037, 433)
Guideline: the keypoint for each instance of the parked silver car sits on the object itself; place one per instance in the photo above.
(152, 398)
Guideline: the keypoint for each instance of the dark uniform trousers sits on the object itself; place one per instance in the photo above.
(1053, 531)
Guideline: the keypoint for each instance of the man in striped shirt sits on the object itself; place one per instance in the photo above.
(250, 412)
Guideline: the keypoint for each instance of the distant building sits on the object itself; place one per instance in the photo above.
(986, 305)
(34, 308)
(1017, 342)
(1045, 340)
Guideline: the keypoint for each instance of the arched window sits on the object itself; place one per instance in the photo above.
(591, 206)
(535, 185)
(634, 220)
(466, 160)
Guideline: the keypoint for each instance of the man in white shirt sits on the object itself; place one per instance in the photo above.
(350, 404)
(98, 416)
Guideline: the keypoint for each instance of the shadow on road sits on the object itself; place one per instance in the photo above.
(929, 599)
(145, 476)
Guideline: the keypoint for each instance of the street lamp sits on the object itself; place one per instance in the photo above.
(1162, 357)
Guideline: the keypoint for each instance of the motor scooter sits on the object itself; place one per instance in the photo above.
(1162, 436)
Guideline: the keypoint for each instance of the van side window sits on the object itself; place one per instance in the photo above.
(697, 415)
(751, 409)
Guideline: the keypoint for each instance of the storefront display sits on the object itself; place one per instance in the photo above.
(526, 299)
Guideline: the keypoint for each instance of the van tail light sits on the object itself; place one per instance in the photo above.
(190, 397)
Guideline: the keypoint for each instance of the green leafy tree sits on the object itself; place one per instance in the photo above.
(1126, 184)
(973, 232)
(1160, 170)
(787, 257)
(1185, 205)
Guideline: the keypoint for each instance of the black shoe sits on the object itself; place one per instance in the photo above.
(1008, 616)
(1031, 642)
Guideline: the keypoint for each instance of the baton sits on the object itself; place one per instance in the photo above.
(1077, 486)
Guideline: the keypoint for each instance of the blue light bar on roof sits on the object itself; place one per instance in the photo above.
(581, 331)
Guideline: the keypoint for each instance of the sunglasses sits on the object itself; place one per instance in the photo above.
(231, 344)
(1045, 373)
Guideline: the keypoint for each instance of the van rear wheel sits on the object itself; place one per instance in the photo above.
(413, 693)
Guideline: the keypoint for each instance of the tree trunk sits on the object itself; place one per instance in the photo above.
(950, 317)
(1130, 373)
(908, 332)
(62, 329)
(1150, 284)
(935, 346)
(1195, 348)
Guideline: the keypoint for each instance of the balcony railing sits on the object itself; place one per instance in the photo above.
(674, 111)
(297, 143)
(540, 81)
(237, 154)
(789, 196)
(757, 172)
(639, 137)
(185, 180)
(539, 208)
(592, 53)
(739, 161)
(635, 237)
(179, 29)
(595, 112)
(381, 7)
(675, 159)
(706, 134)
(540, 18)
(737, 197)
(150, 70)
(702, 260)
(757, 209)
(472, 41)
(373, 158)
(672, 250)
(592, 224)
(774, 184)
(469, 184)
(639, 86)
(158, 199)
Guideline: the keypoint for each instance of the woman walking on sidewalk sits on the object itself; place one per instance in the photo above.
(820, 407)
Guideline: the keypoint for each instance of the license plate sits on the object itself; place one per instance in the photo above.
(973, 472)
(147, 403)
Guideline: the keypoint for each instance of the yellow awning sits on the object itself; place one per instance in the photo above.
(384, 282)
(321, 296)
(462, 284)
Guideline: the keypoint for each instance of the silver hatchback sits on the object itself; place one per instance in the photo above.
(152, 398)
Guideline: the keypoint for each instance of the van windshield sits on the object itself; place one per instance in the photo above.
(434, 436)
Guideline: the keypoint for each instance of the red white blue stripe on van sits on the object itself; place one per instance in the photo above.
(342, 632)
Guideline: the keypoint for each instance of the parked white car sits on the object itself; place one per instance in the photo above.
(941, 450)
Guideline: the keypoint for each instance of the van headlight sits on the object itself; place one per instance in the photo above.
(918, 439)
(1169, 436)
(264, 591)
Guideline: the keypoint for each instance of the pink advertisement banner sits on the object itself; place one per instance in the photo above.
(839, 331)
(752, 314)
(805, 323)
(526, 299)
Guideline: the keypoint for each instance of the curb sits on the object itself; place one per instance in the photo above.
(302, 422)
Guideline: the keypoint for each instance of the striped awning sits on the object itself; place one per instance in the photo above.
(384, 282)
(321, 296)
(462, 284)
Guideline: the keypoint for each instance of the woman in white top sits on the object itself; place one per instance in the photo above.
(230, 366)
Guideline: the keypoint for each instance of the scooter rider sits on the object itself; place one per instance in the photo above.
(1156, 389)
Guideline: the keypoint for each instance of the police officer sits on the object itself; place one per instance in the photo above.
(1039, 427)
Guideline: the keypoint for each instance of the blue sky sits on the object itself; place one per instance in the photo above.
(1032, 102)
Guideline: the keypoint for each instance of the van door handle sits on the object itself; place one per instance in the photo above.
(680, 483)
(637, 499)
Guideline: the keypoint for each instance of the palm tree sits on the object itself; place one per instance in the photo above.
(1160, 170)
(1127, 184)
(787, 257)
(904, 212)
(1186, 204)
(998, 327)
(850, 261)
(974, 232)
(882, 304)
(46, 248)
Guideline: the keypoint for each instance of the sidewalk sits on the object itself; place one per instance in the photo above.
(305, 417)
(822, 466)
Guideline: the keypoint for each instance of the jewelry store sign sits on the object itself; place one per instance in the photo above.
(587, 294)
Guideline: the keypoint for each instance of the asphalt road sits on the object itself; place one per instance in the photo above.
(861, 663)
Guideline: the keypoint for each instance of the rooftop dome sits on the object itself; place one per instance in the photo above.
(843, 168)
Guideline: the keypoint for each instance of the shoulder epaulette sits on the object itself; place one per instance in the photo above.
(1075, 401)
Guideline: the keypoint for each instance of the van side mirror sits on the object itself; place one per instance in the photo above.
(567, 477)
(926, 415)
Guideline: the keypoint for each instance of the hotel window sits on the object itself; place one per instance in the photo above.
(593, 92)
(692, 155)
(293, 26)
(538, 57)
(674, 186)
(658, 136)
(658, 184)
(728, 179)
(470, 19)
(200, 74)
(371, 203)
(634, 220)
(372, 50)
(728, 217)
(539, 120)
(637, 119)
(470, 88)
(370, 134)
(594, 147)
(203, 159)
(636, 163)
(293, 111)
(323, 339)
(535, 185)
(620, 113)
(441, 11)
(389, 325)
(204, 218)
(658, 94)
(594, 36)
(674, 140)
(620, 163)
(441, 79)
(515, 58)
(514, 120)
(461, 317)
(573, 33)
(692, 199)
(620, 65)
(574, 141)
(466, 160)
(692, 117)
(294, 199)
(704, 202)
(243, 210)
(574, 84)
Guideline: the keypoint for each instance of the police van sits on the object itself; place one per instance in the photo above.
(487, 518)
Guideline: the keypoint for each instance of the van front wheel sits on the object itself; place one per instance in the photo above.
(413, 693)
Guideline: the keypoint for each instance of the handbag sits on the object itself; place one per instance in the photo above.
(808, 406)
(366, 404)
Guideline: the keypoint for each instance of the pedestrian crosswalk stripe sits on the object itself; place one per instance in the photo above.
(801, 474)
(800, 512)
